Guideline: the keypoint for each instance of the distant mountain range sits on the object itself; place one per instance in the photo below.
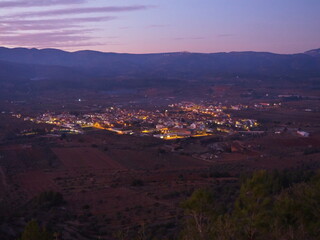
(21, 64)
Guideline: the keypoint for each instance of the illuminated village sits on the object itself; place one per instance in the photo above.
(181, 120)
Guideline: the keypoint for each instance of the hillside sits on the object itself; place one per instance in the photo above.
(314, 52)
(54, 64)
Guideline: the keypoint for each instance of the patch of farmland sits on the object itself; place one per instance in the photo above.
(85, 158)
(35, 182)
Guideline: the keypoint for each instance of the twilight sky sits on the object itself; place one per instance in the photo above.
(144, 26)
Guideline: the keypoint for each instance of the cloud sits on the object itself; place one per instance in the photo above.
(38, 3)
(47, 24)
(125, 28)
(62, 38)
(189, 38)
(52, 27)
(225, 35)
(16, 27)
(69, 34)
(58, 12)
(68, 38)
(157, 26)
(58, 20)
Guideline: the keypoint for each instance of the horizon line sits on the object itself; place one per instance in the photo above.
(186, 52)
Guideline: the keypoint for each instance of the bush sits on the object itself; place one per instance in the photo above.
(137, 183)
(49, 199)
(311, 150)
(217, 174)
(32, 231)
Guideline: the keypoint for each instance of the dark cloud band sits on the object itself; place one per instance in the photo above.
(87, 10)
(56, 27)
(38, 3)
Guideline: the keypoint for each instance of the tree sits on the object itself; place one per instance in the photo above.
(48, 199)
(254, 204)
(224, 228)
(297, 211)
(32, 231)
(278, 205)
(200, 209)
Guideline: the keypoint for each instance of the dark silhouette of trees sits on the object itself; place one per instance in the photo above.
(270, 205)
(33, 231)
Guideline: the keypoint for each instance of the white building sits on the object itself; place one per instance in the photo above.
(303, 133)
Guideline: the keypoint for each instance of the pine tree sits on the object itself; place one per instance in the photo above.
(32, 231)
(200, 210)
(254, 204)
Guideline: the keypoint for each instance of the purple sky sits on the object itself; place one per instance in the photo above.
(144, 26)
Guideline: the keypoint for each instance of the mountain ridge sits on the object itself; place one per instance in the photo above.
(87, 65)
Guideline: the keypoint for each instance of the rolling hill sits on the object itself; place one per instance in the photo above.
(83, 66)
